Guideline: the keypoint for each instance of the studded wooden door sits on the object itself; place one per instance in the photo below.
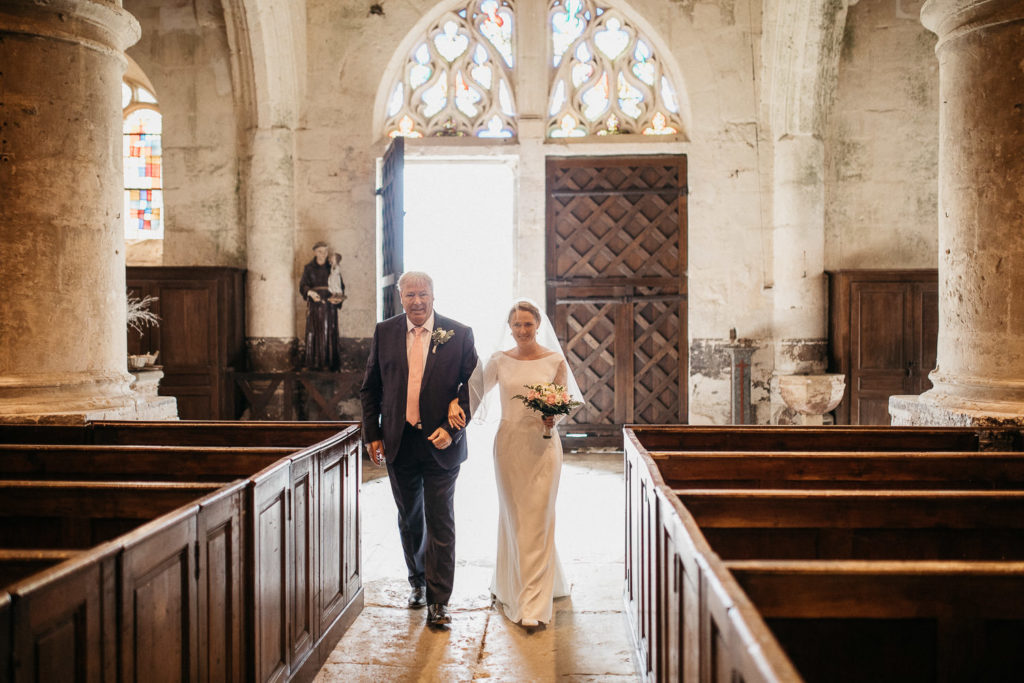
(392, 189)
(616, 287)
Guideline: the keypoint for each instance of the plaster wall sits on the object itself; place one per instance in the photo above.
(184, 52)
(881, 153)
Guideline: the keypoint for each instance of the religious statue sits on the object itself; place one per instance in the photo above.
(324, 290)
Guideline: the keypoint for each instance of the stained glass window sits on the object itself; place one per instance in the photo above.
(458, 77)
(605, 77)
(143, 155)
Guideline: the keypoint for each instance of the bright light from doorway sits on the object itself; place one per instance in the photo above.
(458, 228)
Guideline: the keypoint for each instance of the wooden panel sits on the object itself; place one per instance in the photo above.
(57, 626)
(5, 637)
(351, 519)
(271, 551)
(332, 536)
(883, 331)
(200, 336)
(616, 285)
(221, 565)
(159, 598)
(304, 564)
(392, 191)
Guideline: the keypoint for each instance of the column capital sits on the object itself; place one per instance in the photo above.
(953, 19)
(102, 26)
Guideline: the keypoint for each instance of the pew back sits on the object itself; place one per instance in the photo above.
(174, 598)
(818, 481)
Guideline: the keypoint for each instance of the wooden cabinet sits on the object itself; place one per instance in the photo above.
(883, 330)
(201, 335)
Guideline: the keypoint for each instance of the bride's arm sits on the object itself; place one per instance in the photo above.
(561, 377)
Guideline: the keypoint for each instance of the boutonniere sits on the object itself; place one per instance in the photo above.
(441, 336)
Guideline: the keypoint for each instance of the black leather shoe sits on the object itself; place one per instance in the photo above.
(418, 597)
(437, 615)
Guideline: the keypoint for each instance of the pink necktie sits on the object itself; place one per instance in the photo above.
(412, 399)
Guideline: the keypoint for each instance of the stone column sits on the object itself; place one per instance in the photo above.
(63, 331)
(271, 283)
(798, 240)
(979, 378)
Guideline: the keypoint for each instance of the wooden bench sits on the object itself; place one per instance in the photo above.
(892, 621)
(847, 438)
(969, 470)
(249, 571)
(295, 435)
(847, 524)
(17, 564)
(149, 463)
(80, 514)
(690, 617)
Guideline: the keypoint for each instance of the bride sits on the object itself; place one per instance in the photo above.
(527, 467)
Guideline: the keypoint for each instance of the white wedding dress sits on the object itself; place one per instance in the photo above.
(527, 467)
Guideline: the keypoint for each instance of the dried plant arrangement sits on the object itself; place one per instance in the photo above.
(139, 315)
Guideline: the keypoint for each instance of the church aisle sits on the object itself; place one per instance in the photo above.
(588, 640)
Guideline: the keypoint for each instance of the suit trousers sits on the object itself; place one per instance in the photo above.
(425, 495)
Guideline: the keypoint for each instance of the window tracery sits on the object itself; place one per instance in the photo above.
(458, 78)
(605, 77)
(143, 162)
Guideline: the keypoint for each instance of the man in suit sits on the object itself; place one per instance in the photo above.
(418, 363)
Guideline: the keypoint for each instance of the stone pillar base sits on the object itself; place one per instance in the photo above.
(925, 410)
(77, 398)
(142, 408)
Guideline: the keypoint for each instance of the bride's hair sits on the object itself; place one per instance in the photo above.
(524, 306)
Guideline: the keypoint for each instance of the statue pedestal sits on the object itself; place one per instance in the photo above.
(812, 396)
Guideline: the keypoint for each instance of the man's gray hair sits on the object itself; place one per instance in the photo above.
(415, 276)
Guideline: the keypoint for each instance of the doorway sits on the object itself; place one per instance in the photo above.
(458, 227)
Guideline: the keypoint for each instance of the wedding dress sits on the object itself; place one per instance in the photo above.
(527, 467)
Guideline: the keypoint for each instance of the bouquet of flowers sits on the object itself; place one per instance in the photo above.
(548, 399)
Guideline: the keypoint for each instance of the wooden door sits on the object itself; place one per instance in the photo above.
(392, 188)
(883, 332)
(616, 285)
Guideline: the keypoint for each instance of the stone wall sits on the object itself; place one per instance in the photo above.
(882, 150)
(184, 52)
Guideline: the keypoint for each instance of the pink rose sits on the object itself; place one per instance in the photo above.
(532, 396)
(565, 397)
(550, 399)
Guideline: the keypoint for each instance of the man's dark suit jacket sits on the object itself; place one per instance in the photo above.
(445, 376)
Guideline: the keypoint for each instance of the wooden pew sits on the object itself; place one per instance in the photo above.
(19, 563)
(846, 524)
(214, 433)
(841, 469)
(79, 514)
(892, 621)
(845, 438)
(149, 463)
(177, 597)
(677, 631)
(295, 435)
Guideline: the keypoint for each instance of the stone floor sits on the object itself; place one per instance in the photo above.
(587, 640)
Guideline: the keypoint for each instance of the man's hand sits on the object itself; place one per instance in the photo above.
(456, 416)
(313, 295)
(440, 439)
(376, 451)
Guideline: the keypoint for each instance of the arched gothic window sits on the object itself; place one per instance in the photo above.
(143, 177)
(605, 77)
(458, 78)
